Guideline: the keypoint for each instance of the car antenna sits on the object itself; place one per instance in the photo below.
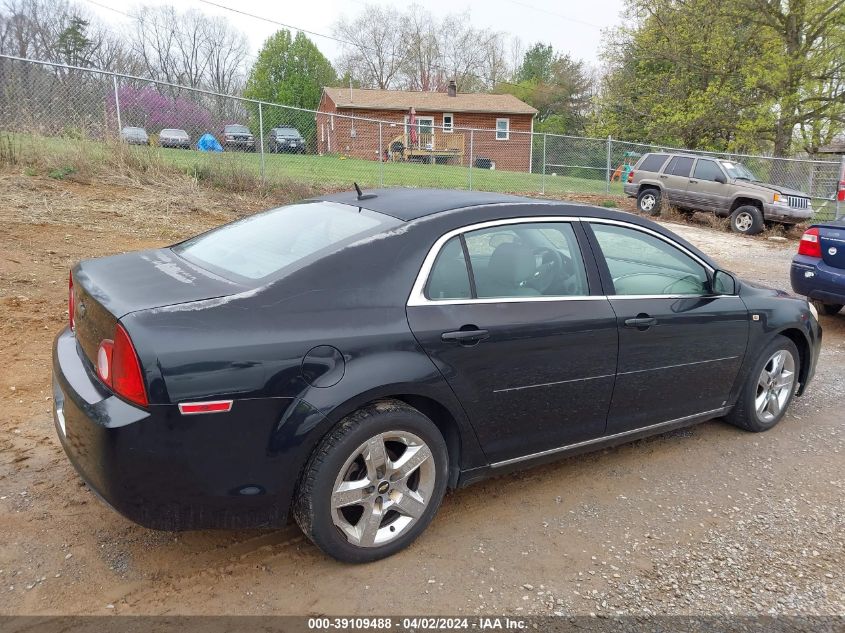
(361, 194)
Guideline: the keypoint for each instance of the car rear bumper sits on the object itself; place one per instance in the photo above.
(815, 279)
(167, 471)
(630, 189)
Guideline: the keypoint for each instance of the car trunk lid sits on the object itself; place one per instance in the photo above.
(832, 242)
(109, 288)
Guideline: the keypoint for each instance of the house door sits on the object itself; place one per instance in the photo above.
(425, 132)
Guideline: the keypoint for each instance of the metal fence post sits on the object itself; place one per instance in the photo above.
(117, 106)
(261, 139)
(607, 175)
(543, 177)
(471, 152)
(380, 157)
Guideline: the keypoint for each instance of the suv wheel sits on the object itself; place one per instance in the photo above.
(747, 220)
(648, 201)
(373, 484)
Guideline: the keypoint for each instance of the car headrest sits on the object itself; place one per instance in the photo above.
(511, 264)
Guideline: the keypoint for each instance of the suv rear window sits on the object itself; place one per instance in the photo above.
(653, 162)
(679, 166)
(288, 237)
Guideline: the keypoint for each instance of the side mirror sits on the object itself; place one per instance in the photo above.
(723, 283)
(720, 179)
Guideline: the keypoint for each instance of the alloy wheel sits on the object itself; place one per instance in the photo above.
(647, 202)
(383, 488)
(743, 221)
(774, 386)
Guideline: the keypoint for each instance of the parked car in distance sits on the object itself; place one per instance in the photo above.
(726, 188)
(135, 136)
(238, 137)
(351, 357)
(178, 139)
(818, 270)
(285, 139)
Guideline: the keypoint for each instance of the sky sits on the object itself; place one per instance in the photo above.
(573, 27)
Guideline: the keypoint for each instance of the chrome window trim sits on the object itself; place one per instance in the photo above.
(418, 298)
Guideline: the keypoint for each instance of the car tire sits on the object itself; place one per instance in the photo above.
(768, 391)
(648, 201)
(829, 309)
(747, 220)
(404, 499)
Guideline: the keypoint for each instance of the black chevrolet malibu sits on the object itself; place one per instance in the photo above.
(347, 359)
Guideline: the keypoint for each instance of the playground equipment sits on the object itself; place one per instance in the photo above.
(629, 159)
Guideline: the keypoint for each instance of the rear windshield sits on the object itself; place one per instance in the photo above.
(237, 129)
(175, 132)
(264, 245)
(653, 162)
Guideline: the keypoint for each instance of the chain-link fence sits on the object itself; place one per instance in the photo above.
(62, 107)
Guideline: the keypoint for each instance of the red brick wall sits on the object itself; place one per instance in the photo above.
(335, 135)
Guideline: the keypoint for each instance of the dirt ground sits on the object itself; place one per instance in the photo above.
(700, 521)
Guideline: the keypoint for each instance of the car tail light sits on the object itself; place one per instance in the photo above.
(809, 244)
(119, 368)
(70, 301)
(630, 176)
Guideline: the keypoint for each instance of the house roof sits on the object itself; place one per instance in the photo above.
(836, 147)
(371, 99)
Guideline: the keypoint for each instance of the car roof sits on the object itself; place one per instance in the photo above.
(409, 204)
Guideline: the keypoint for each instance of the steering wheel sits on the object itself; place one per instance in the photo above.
(553, 263)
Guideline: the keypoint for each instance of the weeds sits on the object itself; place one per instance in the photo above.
(61, 173)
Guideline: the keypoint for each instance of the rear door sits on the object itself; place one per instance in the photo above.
(680, 346)
(675, 179)
(523, 334)
(832, 241)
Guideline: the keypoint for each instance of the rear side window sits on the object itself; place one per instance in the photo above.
(449, 276)
(653, 162)
(707, 170)
(679, 166)
(263, 245)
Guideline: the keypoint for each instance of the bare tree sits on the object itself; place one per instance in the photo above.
(421, 70)
(374, 51)
(225, 51)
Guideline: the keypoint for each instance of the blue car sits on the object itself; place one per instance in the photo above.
(818, 270)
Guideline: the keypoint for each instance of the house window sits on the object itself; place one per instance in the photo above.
(503, 129)
(448, 122)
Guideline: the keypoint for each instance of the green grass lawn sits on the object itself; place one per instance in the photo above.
(335, 171)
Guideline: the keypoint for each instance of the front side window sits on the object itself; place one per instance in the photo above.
(263, 245)
(679, 166)
(503, 129)
(707, 170)
(641, 264)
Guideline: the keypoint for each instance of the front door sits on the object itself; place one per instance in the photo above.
(705, 191)
(528, 350)
(680, 345)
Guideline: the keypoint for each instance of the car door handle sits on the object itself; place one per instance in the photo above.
(694, 182)
(465, 336)
(641, 322)
(664, 175)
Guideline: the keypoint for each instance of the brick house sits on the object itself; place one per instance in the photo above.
(450, 127)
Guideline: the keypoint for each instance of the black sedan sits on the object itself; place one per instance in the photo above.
(347, 359)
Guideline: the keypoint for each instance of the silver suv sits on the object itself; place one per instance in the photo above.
(697, 183)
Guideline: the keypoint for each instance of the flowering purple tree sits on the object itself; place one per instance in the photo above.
(148, 108)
